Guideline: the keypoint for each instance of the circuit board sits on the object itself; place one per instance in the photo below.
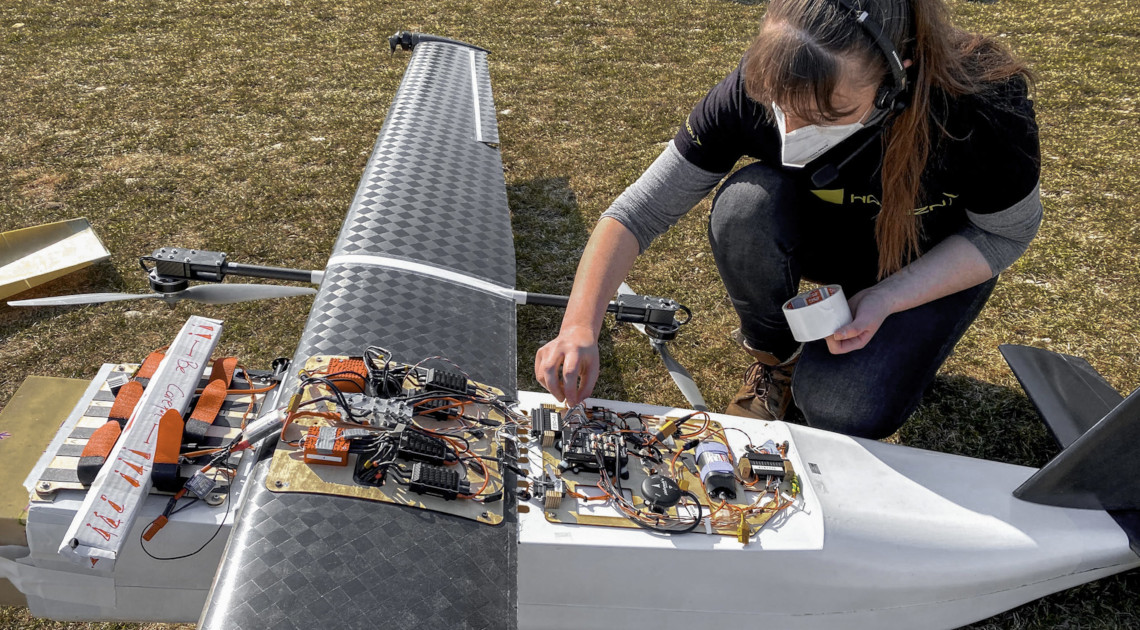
(423, 437)
(667, 474)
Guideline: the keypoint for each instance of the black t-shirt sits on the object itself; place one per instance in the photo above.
(987, 161)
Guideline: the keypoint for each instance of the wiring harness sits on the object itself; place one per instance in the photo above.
(689, 475)
(412, 425)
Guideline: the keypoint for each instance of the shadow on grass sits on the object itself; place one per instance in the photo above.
(965, 416)
(549, 237)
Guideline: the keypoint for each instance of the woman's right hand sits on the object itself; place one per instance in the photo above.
(568, 366)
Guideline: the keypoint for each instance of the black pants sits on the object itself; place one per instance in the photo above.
(766, 234)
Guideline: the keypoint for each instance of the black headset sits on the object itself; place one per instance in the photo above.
(888, 97)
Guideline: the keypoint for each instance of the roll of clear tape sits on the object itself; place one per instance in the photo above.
(817, 313)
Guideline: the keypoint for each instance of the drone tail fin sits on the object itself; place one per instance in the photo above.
(1097, 428)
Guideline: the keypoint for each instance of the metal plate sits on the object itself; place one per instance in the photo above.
(725, 520)
(289, 472)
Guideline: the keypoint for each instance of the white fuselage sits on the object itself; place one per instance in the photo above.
(884, 536)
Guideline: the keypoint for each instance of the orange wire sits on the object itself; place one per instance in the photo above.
(486, 478)
(251, 390)
(208, 451)
(454, 403)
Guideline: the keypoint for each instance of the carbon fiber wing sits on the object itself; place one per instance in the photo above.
(432, 202)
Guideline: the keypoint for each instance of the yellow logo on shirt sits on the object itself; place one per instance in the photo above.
(948, 200)
(692, 134)
(836, 196)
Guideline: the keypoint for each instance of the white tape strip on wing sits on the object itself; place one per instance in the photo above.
(99, 529)
(475, 97)
(519, 297)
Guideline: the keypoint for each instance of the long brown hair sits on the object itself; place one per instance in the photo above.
(798, 60)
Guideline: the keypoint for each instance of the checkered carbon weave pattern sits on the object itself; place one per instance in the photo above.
(413, 317)
(431, 194)
(345, 564)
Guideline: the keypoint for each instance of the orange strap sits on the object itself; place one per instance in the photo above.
(349, 383)
(224, 369)
(129, 394)
(125, 402)
(209, 405)
(150, 365)
(169, 438)
(102, 440)
(210, 402)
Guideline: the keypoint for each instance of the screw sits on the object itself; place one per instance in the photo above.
(44, 486)
(279, 484)
(485, 515)
(216, 497)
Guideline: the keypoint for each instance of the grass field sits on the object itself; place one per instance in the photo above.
(244, 127)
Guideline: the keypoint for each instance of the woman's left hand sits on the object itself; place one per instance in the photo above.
(950, 266)
(869, 308)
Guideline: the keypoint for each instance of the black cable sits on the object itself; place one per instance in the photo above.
(193, 500)
(640, 514)
(229, 505)
(341, 401)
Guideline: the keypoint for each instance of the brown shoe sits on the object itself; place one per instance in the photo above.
(766, 393)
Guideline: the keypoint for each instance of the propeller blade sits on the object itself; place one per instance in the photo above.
(234, 293)
(83, 298)
(681, 377)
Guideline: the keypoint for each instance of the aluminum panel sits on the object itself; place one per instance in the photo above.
(316, 561)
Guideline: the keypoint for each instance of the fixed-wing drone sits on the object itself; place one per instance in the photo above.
(858, 534)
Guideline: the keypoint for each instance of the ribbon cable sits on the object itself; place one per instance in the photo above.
(99, 445)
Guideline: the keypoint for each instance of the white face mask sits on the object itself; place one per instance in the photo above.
(811, 141)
